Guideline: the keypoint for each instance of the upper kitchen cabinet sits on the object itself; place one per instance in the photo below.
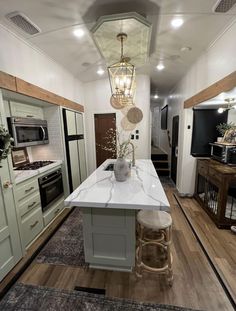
(25, 111)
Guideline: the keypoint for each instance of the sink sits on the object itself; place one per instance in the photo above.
(109, 167)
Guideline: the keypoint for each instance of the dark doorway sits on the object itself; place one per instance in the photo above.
(104, 122)
(174, 147)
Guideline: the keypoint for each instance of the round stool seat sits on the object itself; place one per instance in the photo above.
(155, 220)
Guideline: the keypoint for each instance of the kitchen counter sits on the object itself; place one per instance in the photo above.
(22, 175)
(142, 190)
(109, 213)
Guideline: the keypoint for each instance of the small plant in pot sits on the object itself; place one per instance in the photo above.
(5, 143)
(227, 132)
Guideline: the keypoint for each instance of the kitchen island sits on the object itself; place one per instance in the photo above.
(109, 212)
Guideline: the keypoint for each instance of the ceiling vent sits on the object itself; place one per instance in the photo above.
(23, 22)
(223, 6)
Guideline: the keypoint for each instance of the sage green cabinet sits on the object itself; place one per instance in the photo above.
(10, 245)
(25, 111)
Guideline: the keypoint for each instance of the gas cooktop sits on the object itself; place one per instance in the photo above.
(33, 165)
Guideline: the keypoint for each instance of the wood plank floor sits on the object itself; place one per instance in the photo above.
(195, 283)
(219, 244)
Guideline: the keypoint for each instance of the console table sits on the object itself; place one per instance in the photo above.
(215, 191)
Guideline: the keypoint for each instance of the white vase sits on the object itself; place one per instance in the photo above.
(121, 169)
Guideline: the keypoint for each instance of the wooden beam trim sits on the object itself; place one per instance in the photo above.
(7, 81)
(223, 85)
(18, 85)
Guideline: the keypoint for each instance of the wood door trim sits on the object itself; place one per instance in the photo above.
(223, 85)
(20, 86)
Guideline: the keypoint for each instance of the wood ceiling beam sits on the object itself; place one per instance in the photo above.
(224, 85)
(20, 86)
(7, 81)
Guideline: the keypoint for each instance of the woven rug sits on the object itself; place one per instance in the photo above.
(66, 246)
(37, 298)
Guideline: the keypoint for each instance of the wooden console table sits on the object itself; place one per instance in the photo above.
(215, 191)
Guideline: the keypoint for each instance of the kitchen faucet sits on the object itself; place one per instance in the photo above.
(133, 156)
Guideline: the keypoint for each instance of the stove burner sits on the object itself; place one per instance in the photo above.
(33, 165)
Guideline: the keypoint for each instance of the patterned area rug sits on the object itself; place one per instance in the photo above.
(38, 298)
(66, 246)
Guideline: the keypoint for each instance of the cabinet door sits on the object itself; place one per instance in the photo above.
(79, 123)
(74, 163)
(10, 246)
(71, 122)
(25, 111)
(82, 160)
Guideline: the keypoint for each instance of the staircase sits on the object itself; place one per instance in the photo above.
(161, 164)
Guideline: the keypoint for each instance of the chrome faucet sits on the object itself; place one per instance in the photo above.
(133, 156)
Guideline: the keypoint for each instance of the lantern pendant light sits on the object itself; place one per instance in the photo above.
(121, 77)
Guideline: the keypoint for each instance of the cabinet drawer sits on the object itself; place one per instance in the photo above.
(32, 225)
(53, 212)
(29, 203)
(26, 188)
(202, 168)
(215, 176)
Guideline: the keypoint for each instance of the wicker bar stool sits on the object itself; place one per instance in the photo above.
(159, 223)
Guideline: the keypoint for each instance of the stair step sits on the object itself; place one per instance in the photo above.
(160, 157)
(162, 172)
(159, 164)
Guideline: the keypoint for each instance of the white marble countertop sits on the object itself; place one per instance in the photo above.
(26, 174)
(142, 190)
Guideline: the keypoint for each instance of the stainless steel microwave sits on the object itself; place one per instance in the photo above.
(28, 132)
(224, 153)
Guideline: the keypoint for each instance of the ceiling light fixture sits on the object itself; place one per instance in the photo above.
(221, 110)
(121, 76)
(177, 22)
(160, 67)
(79, 33)
(100, 71)
(230, 105)
(156, 96)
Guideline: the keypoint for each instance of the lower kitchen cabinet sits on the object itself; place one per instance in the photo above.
(50, 214)
(31, 218)
(32, 225)
(10, 244)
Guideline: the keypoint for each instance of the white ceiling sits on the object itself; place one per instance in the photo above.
(58, 18)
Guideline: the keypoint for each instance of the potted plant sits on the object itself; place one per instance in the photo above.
(227, 131)
(121, 144)
(5, 143)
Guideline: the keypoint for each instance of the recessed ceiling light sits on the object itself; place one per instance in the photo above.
(186, 49)
(160, 67)
(100, 72)
(177, 22)
(78, 33)
(156, 96)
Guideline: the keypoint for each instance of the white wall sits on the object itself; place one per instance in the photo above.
(214, 64)
(156, 126)
(97, 100)
(26, 62)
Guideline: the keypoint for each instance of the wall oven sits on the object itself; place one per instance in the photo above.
(28, 132)
(51, 188)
